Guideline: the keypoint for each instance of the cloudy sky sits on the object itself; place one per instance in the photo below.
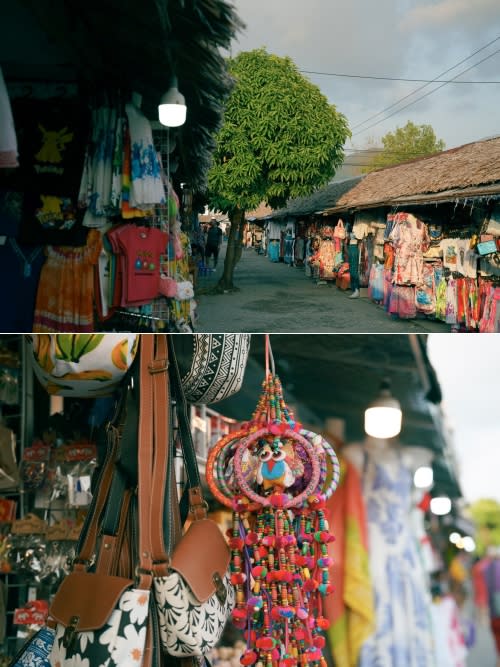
(417, 39)
(468, 367)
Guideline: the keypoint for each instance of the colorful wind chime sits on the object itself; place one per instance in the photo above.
(276, 477)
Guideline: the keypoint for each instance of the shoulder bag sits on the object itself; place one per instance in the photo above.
(193, 591)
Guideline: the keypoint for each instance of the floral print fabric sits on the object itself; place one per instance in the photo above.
(410, 239)
(403, 636)
(120, 643)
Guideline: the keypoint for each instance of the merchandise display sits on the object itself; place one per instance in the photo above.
(91, 218)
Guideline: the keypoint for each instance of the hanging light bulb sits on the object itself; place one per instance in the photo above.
(441, 505)
(172, 108)
(423, 477)
(383, 417)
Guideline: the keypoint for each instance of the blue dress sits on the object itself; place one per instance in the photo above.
(403, 635)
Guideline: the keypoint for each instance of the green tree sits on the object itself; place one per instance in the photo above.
(406, 143)
(486, 515)
(280, 139)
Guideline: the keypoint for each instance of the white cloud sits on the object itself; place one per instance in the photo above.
(451, 13)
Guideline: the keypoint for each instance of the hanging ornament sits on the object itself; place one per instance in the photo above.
(276, 477)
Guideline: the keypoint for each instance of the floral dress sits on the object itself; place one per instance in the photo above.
(411, 240)
(403, 636)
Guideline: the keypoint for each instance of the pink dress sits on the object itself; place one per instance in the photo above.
(410, 239)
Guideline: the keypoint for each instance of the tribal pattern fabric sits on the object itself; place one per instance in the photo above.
(218, 367)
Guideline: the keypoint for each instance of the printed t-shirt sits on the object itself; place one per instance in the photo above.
(142, 247)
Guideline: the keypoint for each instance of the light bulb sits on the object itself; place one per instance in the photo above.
(424, 477)
(441, 506)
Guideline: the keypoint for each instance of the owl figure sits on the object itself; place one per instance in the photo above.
(278, 465)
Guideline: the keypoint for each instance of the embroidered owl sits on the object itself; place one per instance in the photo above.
(278, 465)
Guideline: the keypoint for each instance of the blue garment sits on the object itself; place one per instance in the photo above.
(353, 255)
(274, 251)
(403, 636)
(19, 279)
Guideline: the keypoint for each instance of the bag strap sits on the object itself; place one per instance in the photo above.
(197, 504)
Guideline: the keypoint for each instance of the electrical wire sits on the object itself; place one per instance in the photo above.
(391, 106)
(426, 94)
(389, 78)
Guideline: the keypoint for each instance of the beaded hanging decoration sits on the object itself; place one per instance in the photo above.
(276, 477)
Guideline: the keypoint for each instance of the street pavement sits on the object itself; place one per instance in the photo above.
(277, 298)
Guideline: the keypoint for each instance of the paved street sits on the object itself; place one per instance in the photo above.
(278, 298)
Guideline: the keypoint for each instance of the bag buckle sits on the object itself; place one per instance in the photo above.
(70, 632)
(158, 366)
(220, 589)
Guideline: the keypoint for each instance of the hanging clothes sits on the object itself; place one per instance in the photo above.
(410, 239)
(426, 292)
(351, 608)
(8, 138)
(65, 298)
(146, 187)
(403, 636)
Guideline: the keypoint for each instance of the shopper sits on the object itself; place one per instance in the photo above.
(214, 241)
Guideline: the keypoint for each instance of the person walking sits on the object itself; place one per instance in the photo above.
(214, 241)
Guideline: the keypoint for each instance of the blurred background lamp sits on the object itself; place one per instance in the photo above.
(172, 108)
(441, 506)
(424, 477)
(469, 544)
(454, 537)
(383, 416)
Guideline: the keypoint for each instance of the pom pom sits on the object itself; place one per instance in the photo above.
(302, 613)
(248, 658)
(236, 543)
(265, 643)
(319, 642)
(278, 499)
(322, 623)
(325, 562)
(259, 572)
(286, 612)
(238, 578)
(269, 541)
(239, 614)
(251, 539)
(254, 603)
(310, 585)
(299, 634)
(240, 504)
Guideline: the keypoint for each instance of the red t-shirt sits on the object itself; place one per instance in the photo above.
(141, 248)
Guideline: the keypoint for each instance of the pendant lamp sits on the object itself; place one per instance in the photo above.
(383, 416)
(172, 108)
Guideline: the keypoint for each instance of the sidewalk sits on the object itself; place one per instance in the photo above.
(277, 298)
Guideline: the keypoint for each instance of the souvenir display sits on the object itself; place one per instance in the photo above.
(276, 477)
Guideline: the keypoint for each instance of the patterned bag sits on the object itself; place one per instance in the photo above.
(86, 365)
(35, 653)
(194, 595)
(196, 599)
(82, 365)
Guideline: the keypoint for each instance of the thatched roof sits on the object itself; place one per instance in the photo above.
(318, 201)
(469, 171)
(139, 45)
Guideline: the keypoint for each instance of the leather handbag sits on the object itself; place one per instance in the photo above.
(193, 593)
(103, 618)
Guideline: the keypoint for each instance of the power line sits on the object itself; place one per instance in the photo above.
(389, 78)
(426, 84)
(427, 94)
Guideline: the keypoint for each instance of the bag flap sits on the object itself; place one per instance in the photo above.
(201, 554)
(88, 596)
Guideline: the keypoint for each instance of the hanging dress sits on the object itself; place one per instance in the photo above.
(403, 636)
(65, 297)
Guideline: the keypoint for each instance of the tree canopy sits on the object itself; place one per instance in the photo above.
(280, 138)
(486, 515)
(406, 143)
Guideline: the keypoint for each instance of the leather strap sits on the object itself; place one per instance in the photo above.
(145, 461)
